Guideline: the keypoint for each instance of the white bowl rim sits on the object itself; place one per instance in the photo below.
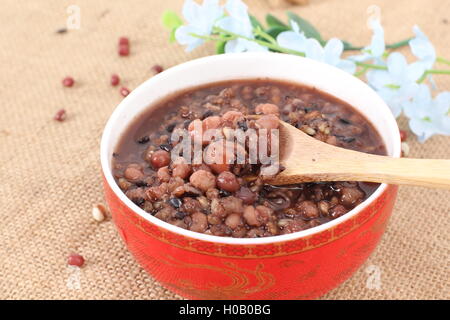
(141, 89)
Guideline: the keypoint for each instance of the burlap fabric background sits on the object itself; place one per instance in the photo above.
(50, 172)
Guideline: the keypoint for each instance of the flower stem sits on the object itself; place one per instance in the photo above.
(361, 72)
(432, 71)
(399, 44)
(264, 35)
(395, 45)
(272, 46)
(371, 66)
(442, 60)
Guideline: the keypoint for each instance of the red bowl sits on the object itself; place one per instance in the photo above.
(301, 265)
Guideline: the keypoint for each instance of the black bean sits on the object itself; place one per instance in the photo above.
(115, 155)
(141, 184)
(207, 114)
(166, 147)
(143, 140)
(223, 193)
(243, 125)
(346, 139)
(139, 201)
(170, 127)
(190, 195)
(345, 121)
(180, 215)
(175, 202)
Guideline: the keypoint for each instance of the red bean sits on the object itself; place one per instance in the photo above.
(203, 180)
(124, 91)
(158, 192)
(233, 220)
(163, 174)
(212, 122)
(350, 196)
(267, 108)
(157, 69)
(337, 211)
(181, 169)
(115, 80)
(124, 50)
(197, 123)
(190, 205)
(294, 226)
(250, 216)
(60, 115)
(232, 117)
(324, 206)
(199, 222)
(403, 135)
(307, 209)
(257, 216)
(269, 121)
(133, 173)
(160, 159)
(232, 204)
(228, 182)
(124, 41)
(75, 260)
(68, 82)
(216, 155)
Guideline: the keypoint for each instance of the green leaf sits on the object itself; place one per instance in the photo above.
(349, 46)
(308, 29)
(172, 35)
(171, 20)
(273, 21)
(275, 31)
(255, 22)
(220, 47)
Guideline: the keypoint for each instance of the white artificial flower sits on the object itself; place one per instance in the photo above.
(238, 22)
(201, 19)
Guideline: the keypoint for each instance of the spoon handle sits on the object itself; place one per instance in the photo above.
(433, 173)
(347, 165)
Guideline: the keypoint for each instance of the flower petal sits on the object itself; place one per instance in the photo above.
(292, 40)
(422, 48)
(377, 45)
(243, 45)
(333, 51)
(378, 78)
(182, 35)
(314, 50)
(294, 26)
(360, 57)
(415, 70)
(230, 24)
(347, 65)
(237, 9)
(396, 64)
(422, 129)
(442, 103)
(238, 20)
(190, 11)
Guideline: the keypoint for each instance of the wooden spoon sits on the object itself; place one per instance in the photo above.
(307, 159)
